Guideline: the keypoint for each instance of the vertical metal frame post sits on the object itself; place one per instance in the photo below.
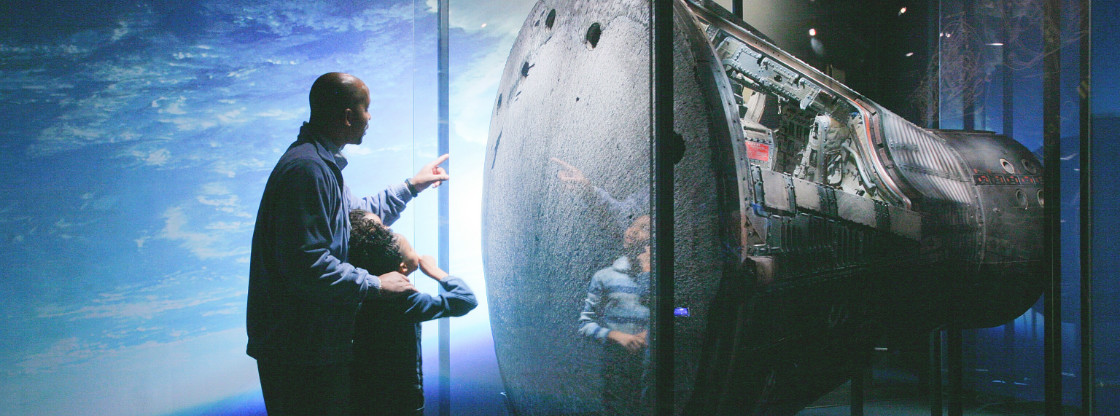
(856, 399)
(954, 342)
(934, 33)
(935, 372)
(444, 237)
(1085, 128)
(1008, 86)
(661, 110)
(1051, 126)
(969, 95)
(935, 55)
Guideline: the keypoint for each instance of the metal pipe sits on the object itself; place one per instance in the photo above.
(859, 166)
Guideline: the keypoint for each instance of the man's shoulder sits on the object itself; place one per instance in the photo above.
(302, 157)
(301, 151)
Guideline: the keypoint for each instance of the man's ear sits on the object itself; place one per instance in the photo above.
(349, 113)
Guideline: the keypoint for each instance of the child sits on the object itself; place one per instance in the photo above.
(386, 376)
(616, 314)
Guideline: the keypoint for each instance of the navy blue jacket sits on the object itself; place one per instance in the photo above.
(302, 294)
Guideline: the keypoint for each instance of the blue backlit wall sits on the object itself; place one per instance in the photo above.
(137, 138)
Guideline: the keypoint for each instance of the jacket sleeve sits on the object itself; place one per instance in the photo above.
(589, 317)
(305, 236)
(387, 204)
(456, 300)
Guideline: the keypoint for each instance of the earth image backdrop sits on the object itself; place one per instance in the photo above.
(136, 143)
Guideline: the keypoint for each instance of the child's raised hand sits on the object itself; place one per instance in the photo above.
(430, 267)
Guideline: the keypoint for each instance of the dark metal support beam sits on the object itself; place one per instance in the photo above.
(661, 111)
(858, 392)
(971, 92)
(955, 357)
(935, 372)
(1008, 84)
(1051, 127)
(934, 20)
(1086, 151)
(933, 34)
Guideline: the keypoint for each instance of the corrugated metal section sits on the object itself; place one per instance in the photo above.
(925, 161)
(787, 195)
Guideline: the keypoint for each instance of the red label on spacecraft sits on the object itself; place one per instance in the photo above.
(758, 151)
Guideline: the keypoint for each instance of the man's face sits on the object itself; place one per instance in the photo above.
(359, 118)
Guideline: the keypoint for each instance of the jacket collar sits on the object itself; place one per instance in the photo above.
(326, 148)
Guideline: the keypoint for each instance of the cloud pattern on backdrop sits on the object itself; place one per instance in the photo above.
(139, 138)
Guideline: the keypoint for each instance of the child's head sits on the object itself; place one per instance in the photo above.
(376, 248)
(635, 240)
(636, 235)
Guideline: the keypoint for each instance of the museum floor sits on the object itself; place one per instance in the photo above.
(905, 400)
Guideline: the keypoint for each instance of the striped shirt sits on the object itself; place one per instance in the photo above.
(616, 301)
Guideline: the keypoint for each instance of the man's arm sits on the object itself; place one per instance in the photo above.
(389, 204)
(305, 237)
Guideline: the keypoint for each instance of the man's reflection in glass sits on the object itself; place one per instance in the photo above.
(622, 212)
(615, 312)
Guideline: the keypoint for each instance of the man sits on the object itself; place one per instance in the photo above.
(303, 295)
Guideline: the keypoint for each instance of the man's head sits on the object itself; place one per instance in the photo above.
(340, 107)
(376, 248)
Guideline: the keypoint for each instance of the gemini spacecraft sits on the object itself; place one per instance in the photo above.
(811, 223)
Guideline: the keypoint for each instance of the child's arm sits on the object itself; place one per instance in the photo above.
(456, 300)
(430, 267)
(589, 317)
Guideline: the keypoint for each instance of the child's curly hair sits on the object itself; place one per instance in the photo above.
(372, 245)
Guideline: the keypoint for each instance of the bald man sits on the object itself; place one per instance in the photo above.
(303, 295)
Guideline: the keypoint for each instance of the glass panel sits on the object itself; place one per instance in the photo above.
(481, 34)
(979, 85)
(1105, 139)
(565, 209)
(991, 57)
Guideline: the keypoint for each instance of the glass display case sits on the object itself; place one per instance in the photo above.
(807, 207)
